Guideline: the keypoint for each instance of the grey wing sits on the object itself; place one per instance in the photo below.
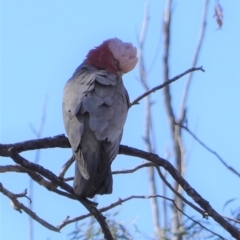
(108, 119)
(75, 91)
(105, 110)
(107, 122)
(88, 91)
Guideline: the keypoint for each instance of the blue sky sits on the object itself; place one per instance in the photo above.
(43, 42)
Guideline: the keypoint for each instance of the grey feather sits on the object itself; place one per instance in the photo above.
(95, 105)
(109, 79)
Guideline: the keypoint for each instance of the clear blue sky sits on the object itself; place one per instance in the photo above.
(42, 42)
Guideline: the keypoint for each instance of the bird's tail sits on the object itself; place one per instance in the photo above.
(89, 187)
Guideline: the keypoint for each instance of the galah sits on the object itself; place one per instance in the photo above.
(95, 106)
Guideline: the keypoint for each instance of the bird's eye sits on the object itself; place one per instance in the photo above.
(116, 63)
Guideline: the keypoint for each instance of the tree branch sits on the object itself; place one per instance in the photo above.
(12, 168)
(119, 171)
(49, 175)
(175, 133)
(104, 209)
(61, 141)
(210, 150)
(19, 206)
(166, 83)
(133, 169)
(203, 213)
(66, 166)
(184, 184)
(120, 202)
(148, 128)
(38, 134)
(194, 62)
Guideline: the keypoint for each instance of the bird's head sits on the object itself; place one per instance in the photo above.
(114, 56)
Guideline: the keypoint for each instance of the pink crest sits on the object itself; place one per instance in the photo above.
(105, 55)
(125, 53)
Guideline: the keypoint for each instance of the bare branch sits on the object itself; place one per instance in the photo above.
(178, 146)
(203, 213)
(35, 176)
(49, 175)
(12, 168)
(19, 206)
(148, 133)
(184, 184)
(17, 168)
(36, 160)
(197, 222)
(41, 181)
(66, 166)
(166, 54)
(211, 151)
(120, 171)
(120, 201)
(61, 141)
(166, 83)
(65, 194)
(231, 219)
(68, 179)
(133, 169)
(23, 194)
(194, 61)
(175, 133)
(104, 209)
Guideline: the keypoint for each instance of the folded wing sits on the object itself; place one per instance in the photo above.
(95, 105)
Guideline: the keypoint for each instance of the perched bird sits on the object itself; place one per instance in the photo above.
(95, 106)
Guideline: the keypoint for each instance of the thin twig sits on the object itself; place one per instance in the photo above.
(164, 202)
(231, 219)
(197, 222)
(66, 167)
(148, 129)
(120, 171)
(104, 209)
(133, 169)
(120, 201)
(19, 206)
(211, 151)
(166, 54)
(35, 176)
(38, 134)
(165, 84)
(203, 213)
(194, 61)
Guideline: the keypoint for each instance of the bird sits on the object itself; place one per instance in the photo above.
(95, 106)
